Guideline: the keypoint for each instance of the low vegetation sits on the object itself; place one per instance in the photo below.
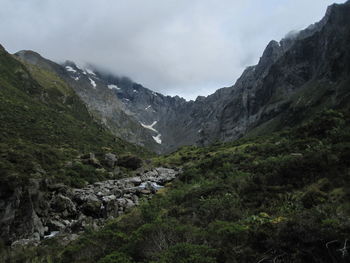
(44, 125)
(283, 197)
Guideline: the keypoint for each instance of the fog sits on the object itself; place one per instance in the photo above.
(175, 47)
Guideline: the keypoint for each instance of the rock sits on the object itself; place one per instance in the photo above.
(110, 160)
(92, 208)
(55, 225)
(24, 242)
(117, 192)
(109, 198)
(85, 196)
(129, 204)
(145, 192)
(121, 202)
(111, 209)
(92, 160)
(135, 180)
(43, 208)
(60, 204)
(130, 162)
(60, 188)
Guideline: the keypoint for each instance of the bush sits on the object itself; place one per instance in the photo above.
(188, 253)
(116, 257)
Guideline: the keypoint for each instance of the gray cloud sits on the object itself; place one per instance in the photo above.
(176, 47)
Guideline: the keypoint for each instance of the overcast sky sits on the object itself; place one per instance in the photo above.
(176, 47)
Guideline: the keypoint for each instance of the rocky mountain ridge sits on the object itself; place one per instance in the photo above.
(314, 60)
(281, 86)
(266, 92)
(98, 96)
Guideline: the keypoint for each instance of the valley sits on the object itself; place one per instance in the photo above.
(97, 168)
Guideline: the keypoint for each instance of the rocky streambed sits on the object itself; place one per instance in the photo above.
(42, 210)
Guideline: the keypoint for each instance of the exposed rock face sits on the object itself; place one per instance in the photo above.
(305, 70)
(100, 100)
(261, 96)
(42, 210)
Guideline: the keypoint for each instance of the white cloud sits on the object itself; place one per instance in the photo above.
(179, 47)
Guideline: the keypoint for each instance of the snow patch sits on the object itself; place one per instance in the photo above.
(70, 69)
(135, 90)
(126, 99)
(155, 94)
(90, 72)
(150, 127)
(93, 83)
(149, 106)
(157, 138)
(51, 235)
(76, 78)
(112, 86)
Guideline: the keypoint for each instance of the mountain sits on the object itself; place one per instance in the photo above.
(98, 97)
(303, 73)
(48, 136)
(296, 77)
(279, 191)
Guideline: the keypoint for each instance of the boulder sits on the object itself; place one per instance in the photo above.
(62, 204)
(92, 160)
(92, 208)
(130, 162)
(110, 160)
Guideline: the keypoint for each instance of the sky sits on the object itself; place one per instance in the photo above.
(175, 47)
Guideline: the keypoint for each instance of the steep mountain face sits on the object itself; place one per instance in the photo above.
(98, 96)
(45, 132)
(300, 74)
(304, 72)
(292, 78)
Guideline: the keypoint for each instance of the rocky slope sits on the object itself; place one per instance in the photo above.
(305, 71)
(43, 209)
(46, 133)
(98, 96)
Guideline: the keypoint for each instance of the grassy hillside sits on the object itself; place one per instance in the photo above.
(43, 124)
(282, 197)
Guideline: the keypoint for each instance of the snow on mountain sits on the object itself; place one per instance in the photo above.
(70, 69)
(89, 71)
(112, 86)
(93, 83)
(157, 138)
(150, 127)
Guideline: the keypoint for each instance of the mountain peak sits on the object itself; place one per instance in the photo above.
(28, 54)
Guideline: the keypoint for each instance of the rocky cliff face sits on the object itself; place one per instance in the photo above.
(98, 95)
(305, 71)
(302, 72)
(43, 209)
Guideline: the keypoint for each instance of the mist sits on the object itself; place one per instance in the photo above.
(185, 48)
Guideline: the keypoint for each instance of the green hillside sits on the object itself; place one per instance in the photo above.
(282, 197)
(43, 124)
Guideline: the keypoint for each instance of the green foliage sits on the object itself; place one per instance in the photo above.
(282, 194)
(116, 257)
(188, 253)
(44, 124)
